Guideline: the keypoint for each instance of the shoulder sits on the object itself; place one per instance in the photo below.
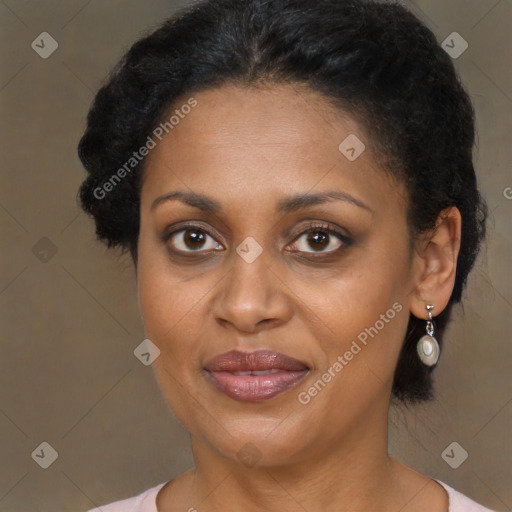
(460, 503)
(144, 502)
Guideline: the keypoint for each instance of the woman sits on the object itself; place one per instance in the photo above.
(294, 182)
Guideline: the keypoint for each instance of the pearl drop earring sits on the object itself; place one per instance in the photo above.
(428, 347)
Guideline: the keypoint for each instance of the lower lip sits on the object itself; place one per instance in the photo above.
(253, 388)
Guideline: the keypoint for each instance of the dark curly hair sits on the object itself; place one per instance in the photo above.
(375, 60)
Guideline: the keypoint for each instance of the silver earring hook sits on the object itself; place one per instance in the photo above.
(430, 324)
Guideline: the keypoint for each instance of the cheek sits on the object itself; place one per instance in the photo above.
(359, 338)
(354, 295)
(361, 313)
(170, 309)
(358, 318)
(165, 300)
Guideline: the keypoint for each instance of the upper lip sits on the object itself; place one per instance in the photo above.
(237, 361)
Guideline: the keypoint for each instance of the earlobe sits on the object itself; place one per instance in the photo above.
(437, 257)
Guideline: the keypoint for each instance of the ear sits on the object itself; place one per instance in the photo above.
(436, 264)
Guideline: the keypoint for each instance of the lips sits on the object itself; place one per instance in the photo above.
(254, 376)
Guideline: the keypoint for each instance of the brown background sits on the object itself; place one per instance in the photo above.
(69, 316)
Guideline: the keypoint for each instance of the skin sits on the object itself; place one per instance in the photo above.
(248, 149)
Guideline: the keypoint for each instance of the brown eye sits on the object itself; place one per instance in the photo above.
(319, 239)
(193, 240)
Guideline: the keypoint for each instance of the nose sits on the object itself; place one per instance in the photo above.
(252, 296)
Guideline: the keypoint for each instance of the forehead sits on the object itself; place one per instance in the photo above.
(266, 141)
(283, 116)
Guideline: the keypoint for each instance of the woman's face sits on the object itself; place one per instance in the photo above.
(228, 269)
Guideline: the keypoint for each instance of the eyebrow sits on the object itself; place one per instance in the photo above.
(287, 205)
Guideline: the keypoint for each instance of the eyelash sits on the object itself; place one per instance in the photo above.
(325, 228)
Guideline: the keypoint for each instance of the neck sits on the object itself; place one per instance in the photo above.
(352, 475)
